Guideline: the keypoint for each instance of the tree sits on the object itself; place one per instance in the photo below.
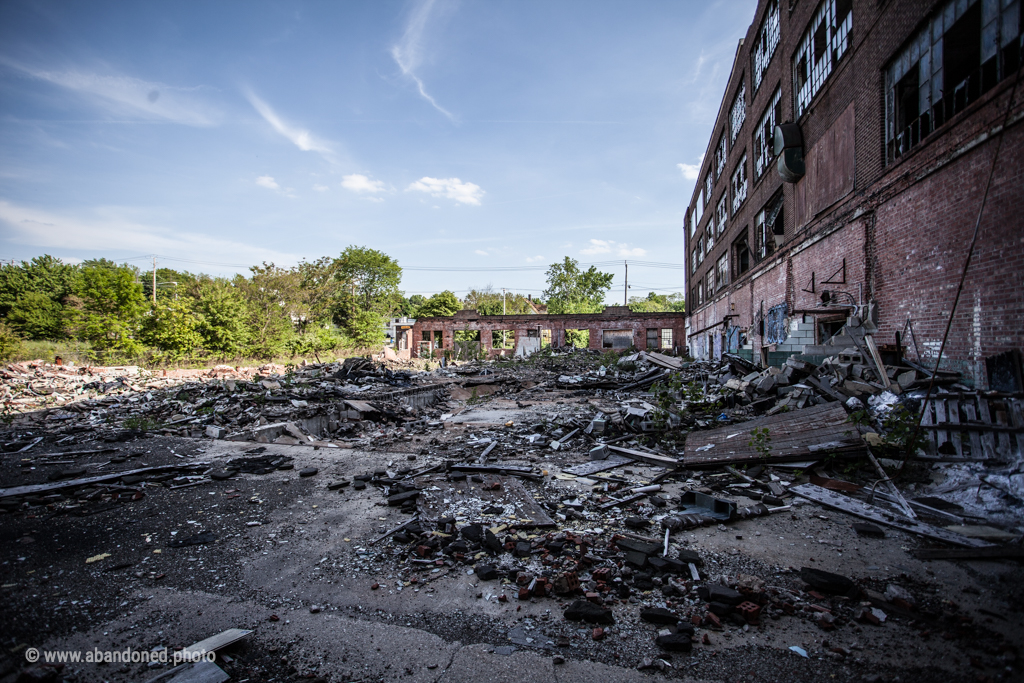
(370, 280)
(366, 329)
(409, 307)
(173, 327)
(658, 303)
(273, 306)
(222, 318)
(321, 288)
(486, 301)
(571, 290)
(108, 304)
(442, 304)
(43, 274)
(37, 316)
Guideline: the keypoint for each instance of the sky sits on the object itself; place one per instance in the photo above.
(474, 142)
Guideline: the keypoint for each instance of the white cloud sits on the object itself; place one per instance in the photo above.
(268, 182)
(535, 259)
(408, 53)
(299, 137)
(611, 246)
(481, 252)
(451, 188)
(131, 97)
(691, 171)
(378, 200)
(111, 229)
(320, 188)
(360, 184)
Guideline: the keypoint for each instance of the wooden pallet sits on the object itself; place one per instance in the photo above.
(974, 427)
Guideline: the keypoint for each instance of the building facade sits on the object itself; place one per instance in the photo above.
(887, 116)
(469, 334)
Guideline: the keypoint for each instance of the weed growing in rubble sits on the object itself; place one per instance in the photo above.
(761, 441)
(666, 398)
(142, 424)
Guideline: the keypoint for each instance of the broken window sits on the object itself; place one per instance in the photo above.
(738, 112)
(721, 152)
(821, 48)
(652, 338)
(709, 183)
(963, 49)
(710, 239)
(722, 271)
(616, 339)
(764, 136)
(768, 223)
(545, 338)
(709, 285)
(503, 339)
(741, 255)
(764, 45)
(693, 222)
(533, 334)
(700, 291)
(721, 215)
(739, 184)
(700, 248)
(666, 338)
(693, 261)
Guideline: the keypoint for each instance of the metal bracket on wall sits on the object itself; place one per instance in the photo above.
(811, 290)
(841, 273)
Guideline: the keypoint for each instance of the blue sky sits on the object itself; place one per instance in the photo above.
(447, 134)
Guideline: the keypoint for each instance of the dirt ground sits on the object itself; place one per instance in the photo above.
(296, 563)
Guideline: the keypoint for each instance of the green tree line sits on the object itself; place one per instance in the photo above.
(272, 311)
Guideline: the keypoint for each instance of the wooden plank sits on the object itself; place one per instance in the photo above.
(595, 466)
(466, 500)
(869, 341)
(999, 552)
(988, 439)
(941, 436)
(975, 438)
(34, 489)
(650, 458)
(1004, 449)
(796, 435)
(953, 406)
(214, 643)
(930, 447)
(876, 514)
(1017, 420)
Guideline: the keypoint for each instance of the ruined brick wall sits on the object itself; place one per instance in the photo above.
(636, 324)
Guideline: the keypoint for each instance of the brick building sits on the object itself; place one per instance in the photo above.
(615, 328)
(894, 112)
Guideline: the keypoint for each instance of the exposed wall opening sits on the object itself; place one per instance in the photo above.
(741, 255)
(545, 338)
(666, 337)
(503, 339)
(578, 338)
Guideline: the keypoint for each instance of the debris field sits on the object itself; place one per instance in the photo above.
(567, 515)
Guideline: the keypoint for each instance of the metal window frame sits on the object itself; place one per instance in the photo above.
(837, 42)
(764, 46)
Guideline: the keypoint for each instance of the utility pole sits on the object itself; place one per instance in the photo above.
(503, 313)
(625, 286)
(154, 279)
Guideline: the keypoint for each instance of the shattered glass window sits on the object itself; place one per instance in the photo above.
(738, 112)
(739, 184)
(822, 46)
(721, 152)
(764, 46)
(764, 144)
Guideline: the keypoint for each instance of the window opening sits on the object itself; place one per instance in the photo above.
(963, 50)
(822, 46)
(764, 136)
(764, 46)
(738, 112)
(739, 184)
